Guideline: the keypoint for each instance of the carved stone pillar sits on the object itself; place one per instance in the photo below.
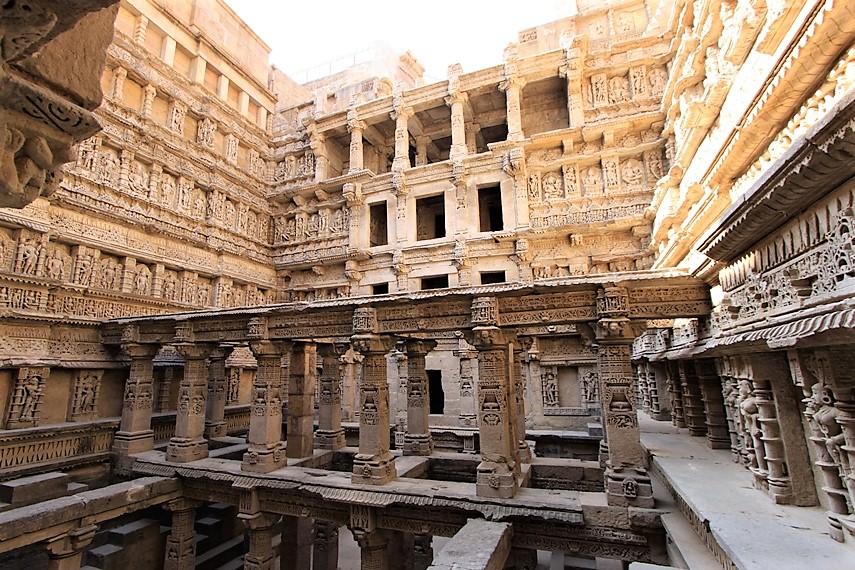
(573, 72)
(135, 434)
(295, 547)
(164, 387)
(518, 386)
(188, 443)
(373, 543)
(468, 365)
(330, 434)
(422, 551)
(181, 542)
(301, 400)
(401, 115)
(513, 89)
(710, 384)
(325, 539)
(458, 129)
(627, 482)
(25, 410)
(675, 394)
(499, 470)
(422, 143)
(264, 452)
(417, 440)
(657, 386)
(149, 93)
(65, 551)
(215, 410)
(356, 127)
(261, 555)
(693, 403)
(374, 464)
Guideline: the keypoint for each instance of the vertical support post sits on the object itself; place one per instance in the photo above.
(66, 551)
(627, 482)
(499, 471)
(330, 434)
(296, 545)
(215, 413)
(135, 434)
(325, 554)
(264, 452)
(401, 115)
(518, 385)
(301, 400)
(188, 443)
(693, 404)
(356, 127)
(422, 551)
(374, 464)
(261, 555)
(710, 383)
(181, 542)
(417, 440)
(468, 364)
(373, 542)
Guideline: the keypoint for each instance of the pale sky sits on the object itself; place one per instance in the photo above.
(438, 32)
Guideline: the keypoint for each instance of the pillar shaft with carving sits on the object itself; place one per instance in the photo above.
(468, 363)
(188, 443)
(135, 434)
(417, 440)
(264, 452)
(181, 542)
(357, 160)
(401, 115)
(374, 464)
(325, 546)
(66, 551)
(457, 102)
(215, 423)
(330, 434)
(627, 482)
(513, 95)
(518, 388)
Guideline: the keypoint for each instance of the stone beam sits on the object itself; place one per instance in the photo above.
(480, 545)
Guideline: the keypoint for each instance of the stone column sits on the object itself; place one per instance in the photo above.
(401, 115)
(264, 453)
(675, 394)
(374, 464)
(710, 383)
(417, 440)
(181, 542)
(422, 551)
(325, 552)
(149, 93)
(135, 434)
(693, 404)
(355, 126)
(573, 72)
(167, 373)
(400, 550)
(295, 548)
(627, 482)
(499, 470)
(117, 89)
(215, 412)
(373, 542)
(458, 129)
(188, 443)
(351, 372)
(468, 364)
(66, 551)
(422, 143)
(301, 400)
(518, 387)
(330, 434)
(513, 90)
(261, 555)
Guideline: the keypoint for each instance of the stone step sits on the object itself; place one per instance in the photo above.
(101, 556)
(221, 554)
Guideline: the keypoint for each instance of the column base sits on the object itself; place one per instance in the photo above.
(329, 439)
(132, 442)
(256, 563)
(628, 487)
(263, 460)
(418, 444)
(496, 480)
(215, 430)
(525, 452)
(373, 470)
(182, 450)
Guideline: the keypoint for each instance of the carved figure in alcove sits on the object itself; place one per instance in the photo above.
(749, 414)
(552, 189)
(657, 78)
(618, 89)
(29, 256)
(826, 417)
(550, 390)
(593, 180)
(56, 266)
(31, 392)
(534, 187)
(142, 280)
(632, 171)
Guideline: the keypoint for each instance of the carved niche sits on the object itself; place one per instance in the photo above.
(84, 399)
(25, 408)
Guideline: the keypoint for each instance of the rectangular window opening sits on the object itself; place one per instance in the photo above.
(490, 209)
(435, 391)
(380, 289)
(378, 226)
(430, 217)
(438, 282)
(489, 277)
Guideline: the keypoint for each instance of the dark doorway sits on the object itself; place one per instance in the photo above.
(437, 396)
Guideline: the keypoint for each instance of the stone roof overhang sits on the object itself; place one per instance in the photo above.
(815, 165)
